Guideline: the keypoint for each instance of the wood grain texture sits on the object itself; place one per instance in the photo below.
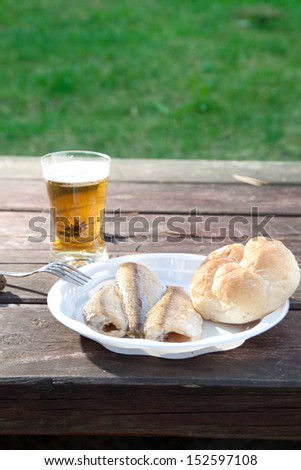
(29, 231)
(167, 198)
(169, 171)
(138, 233)
(53, 381)
(34, 345)
(57, 408)
(61, 380)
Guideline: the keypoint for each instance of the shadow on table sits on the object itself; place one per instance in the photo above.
(9, 297)
(138, 366)
(25, 289)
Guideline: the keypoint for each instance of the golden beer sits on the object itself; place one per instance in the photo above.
(77, 188)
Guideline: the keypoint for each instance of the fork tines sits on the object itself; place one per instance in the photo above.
(66, 271)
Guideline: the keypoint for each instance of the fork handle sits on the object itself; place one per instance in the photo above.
(12, 274)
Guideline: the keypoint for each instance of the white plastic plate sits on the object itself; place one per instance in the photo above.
(66, 301)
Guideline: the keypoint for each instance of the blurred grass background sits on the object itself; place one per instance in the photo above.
(161, 79)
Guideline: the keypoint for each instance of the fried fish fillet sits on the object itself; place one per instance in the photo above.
(139, 290)
(173, 318)
(104, 313)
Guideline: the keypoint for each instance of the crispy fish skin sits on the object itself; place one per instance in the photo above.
(139, 290)
(173, 318)
(104, 313)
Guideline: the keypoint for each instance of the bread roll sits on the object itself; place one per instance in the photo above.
(240, 284)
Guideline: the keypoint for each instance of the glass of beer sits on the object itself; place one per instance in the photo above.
(76, 183)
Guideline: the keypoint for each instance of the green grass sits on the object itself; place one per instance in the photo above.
(160, 79)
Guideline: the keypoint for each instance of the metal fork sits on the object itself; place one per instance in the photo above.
(63, 271)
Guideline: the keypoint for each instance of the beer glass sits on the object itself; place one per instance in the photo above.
(76, 183)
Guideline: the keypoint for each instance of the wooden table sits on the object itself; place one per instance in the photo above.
(52, 381)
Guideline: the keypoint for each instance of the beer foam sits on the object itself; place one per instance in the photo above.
(76, 171)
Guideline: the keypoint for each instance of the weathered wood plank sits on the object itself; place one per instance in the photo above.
(130, 232)
(200, 238)
(41, 256)
(29, 229)
(167, 198)
(54, 381)
(170, 171)
(39, 344)
(171, 411)
(43, 363)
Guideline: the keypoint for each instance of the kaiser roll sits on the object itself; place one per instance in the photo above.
(239, 284)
